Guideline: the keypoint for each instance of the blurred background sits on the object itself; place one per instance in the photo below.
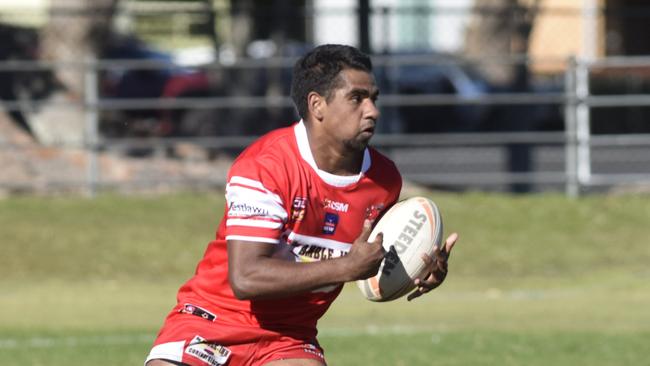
(143, 105)
(494, 95)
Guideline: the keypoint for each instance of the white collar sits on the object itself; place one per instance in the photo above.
(332, 179)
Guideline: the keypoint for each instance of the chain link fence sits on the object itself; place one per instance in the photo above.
(177, 92)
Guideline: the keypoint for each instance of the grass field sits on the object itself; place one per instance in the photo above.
(535, 280)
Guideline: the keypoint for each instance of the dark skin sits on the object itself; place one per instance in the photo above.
(256, 274)
(438, 267)
(339, 129)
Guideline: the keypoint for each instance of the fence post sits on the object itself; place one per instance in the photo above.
(590, 30)
(91, 126)
(583, 124)
(572, 186)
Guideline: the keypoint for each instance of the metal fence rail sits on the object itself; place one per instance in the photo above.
(572, 159)
(579, 107)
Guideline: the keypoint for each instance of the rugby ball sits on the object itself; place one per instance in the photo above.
(410, 227)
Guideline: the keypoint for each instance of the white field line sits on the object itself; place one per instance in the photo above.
(372, 329)
(75, 341)
(124, 339)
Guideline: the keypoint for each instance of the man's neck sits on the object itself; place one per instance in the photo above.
(333, 157)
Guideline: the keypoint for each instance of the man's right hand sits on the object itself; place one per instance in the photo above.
(364, 256)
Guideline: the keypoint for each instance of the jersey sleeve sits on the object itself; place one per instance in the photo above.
(255, 209)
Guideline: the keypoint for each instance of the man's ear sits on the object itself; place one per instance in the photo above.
(316, 104)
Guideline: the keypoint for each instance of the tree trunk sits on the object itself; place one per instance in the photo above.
(501, 28)
(74, 33)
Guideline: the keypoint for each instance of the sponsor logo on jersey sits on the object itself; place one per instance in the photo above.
(246, 209)
(211, 354)
(198, 311)
(335, 206)
(331, 221)
(311, 349)
(311, 253)
(298, 208)
(373, 212)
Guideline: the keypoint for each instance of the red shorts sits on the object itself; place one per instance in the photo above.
(196, 339)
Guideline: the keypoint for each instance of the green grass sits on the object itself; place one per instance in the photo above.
(535, 280)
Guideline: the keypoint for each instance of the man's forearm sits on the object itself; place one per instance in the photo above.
(272, 277)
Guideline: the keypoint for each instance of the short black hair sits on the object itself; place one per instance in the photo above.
(319, 70)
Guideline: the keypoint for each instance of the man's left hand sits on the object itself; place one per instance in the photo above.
(437, 265)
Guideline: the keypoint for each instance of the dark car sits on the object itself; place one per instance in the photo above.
(448, 76)
(192, 83)
(21, 44)
(158, 76)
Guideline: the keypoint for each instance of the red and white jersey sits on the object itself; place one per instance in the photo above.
(277, 195)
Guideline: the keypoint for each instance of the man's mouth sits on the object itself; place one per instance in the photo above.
(369, 130)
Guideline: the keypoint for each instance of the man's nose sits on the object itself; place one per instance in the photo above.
(371, 110)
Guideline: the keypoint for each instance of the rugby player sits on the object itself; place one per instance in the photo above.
(301, 201)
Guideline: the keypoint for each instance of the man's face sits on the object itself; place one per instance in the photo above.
(351, 114)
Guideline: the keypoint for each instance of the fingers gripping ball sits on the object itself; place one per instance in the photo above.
(411, 227)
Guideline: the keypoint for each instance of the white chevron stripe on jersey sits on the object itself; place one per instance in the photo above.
(267, 224)
(252, 238)
(243, 181)
(314, 240)
(244, 202)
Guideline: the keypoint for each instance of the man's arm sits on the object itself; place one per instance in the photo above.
(253, 272)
